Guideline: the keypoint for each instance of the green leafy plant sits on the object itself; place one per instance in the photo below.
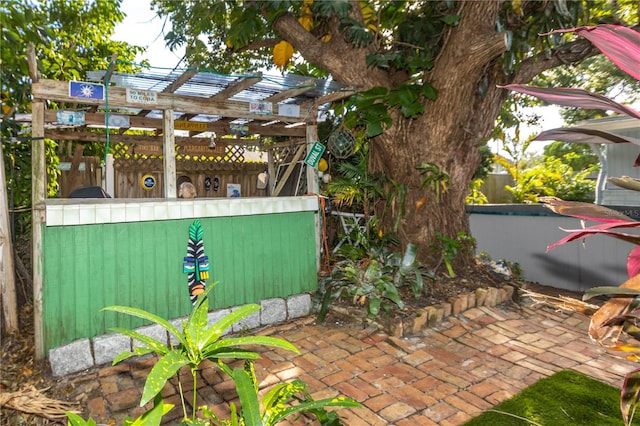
(197, 342)
(553, 177)
(150, 418)
(449, 247)
(436, 178)
(372, 280)
(284, 400)
(354, 186)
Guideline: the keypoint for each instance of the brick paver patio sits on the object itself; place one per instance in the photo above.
(460, 367)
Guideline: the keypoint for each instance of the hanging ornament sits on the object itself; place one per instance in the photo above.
(341, 144)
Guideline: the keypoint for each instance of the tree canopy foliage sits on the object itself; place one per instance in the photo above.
(427, 75)
(70, 38)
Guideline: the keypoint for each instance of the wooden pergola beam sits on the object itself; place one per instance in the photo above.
(292, 93)
(221, 127)
(84, 136)
(180, 81)
(59, 91)
(234, 89)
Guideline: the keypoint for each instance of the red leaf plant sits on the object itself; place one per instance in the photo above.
(615, 325)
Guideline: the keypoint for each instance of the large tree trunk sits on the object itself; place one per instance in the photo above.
(449, 133)
(452, 127)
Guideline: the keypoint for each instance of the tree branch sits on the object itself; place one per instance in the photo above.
(569, 53)
(331, 55)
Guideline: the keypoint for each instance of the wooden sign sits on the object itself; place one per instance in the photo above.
(190, 149)
(146, 97)
(148, 149)
(197, 126)
(202, 149)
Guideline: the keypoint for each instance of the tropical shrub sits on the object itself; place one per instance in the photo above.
(553, 177)
(449, 247)
(372, 279)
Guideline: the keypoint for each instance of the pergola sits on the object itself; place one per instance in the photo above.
(197, 102)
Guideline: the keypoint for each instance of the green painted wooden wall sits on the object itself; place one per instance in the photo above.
(87, 267)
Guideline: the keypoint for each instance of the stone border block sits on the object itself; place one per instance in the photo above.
(273, 311)
(154, 331)
(298, 305)
(109, 346)
(71, 358)
(247, 323)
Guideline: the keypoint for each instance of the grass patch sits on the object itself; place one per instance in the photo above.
(565, 398)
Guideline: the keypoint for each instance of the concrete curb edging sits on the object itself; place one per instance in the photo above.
(85, 353)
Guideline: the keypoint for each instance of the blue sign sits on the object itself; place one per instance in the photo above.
(81, 89)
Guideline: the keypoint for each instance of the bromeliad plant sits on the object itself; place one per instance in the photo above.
(615, 324)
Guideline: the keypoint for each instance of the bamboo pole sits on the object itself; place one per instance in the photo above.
(7, 276)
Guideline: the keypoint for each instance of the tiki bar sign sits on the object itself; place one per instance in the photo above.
(191, 149)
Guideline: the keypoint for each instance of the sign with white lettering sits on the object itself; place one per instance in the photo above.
(146, 97)
(314, 154)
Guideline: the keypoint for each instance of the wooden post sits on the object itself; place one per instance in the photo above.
(313, 187)
(38, 197)
(169, 158)
(38, 212)
(7, 276)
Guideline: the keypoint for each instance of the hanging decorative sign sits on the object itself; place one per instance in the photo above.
(81, 89)
(117, 120)
(289, 110)
(314, 154)
(73, 118)
(148, 182)
(237, 129)
(233, 190)
(261, 108)
(146, 97)
(148, 149)
(193, 149)
(196, 126)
